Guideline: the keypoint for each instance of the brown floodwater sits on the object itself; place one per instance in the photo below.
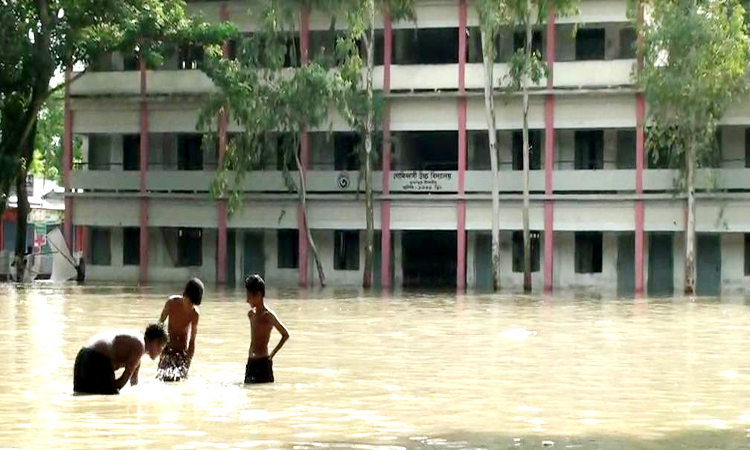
(399, 372)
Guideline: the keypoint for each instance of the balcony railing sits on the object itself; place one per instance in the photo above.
(414, 181)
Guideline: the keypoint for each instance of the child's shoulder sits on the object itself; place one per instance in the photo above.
(174, 298)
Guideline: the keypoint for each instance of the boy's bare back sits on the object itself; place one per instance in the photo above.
(181, 321)
(261, 325)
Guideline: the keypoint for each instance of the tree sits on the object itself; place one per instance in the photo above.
(48, 154)
(43, 37)
(491, 18)
(526, 66)
(273, 100)
(695, 58)
(363, 109)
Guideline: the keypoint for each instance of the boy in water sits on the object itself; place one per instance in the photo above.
(259, 367)
(96, 363)
(183, 314)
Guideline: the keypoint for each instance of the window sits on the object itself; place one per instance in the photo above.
(284, 157)
(99, 154)
(130, 62)
(590, 44)
(518, 251)
(474, 44)
(747, 254)
(288, 249)
(189, 152)
(747, 148)
(131, 152)
(101, 254)
(346, 250)
(131, 246)
(588, 252)
(519, 41)
(589, 150)
(535, 150)
(189, 57)
(346, 154)
(189, 247)
(425, 46)
(628, 38)
(626, 149)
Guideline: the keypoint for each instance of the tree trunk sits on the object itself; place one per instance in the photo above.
(23, 208)
(302, 191)
(526, 233)
(369, 128)
(690, 273)
(488, 57)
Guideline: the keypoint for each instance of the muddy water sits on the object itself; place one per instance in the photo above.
(413, 372)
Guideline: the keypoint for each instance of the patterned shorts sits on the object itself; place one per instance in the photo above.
(173, 365)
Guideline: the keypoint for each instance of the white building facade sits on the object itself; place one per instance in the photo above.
(603, 215)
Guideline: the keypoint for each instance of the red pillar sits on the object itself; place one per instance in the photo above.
(304, 45)
(549, 156)
(385, 205)
(221, 244)
(639, 160)
(143, 171)
(461, 204)
(67, 162)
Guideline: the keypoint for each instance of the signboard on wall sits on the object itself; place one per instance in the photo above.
(424, 181)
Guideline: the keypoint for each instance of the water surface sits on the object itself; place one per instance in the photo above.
(405, 372)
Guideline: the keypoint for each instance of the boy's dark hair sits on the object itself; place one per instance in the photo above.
(194, 291)
(155, 331)
(254, 283)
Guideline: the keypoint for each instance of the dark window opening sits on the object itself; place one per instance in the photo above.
(426, 46)
(101, 254)
(285, 152)
(427, 150)
(189, 57)
(346, 151)
(747, 254)
(99, 152)
(518, 251)
(130, 62)
(589, 147)
(288, 249)
(628, 40)
(712, 158)
(474, 46)
(626, 157)
(346, 250)
(747, 147)
(479, 150)
(189, 247)
(131, 152)
(131, 246)
(535, 150)
(590, 44)
(189, 152)
(519, 41)
(588, 252)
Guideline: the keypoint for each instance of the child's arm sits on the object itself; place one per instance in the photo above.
(134, 377)
(284, 334)
(165, 312)
(193, 334)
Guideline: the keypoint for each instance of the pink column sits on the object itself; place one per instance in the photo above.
(221, 244)
(639, 160)
(144, 169)
(68, 162)
(304, 45)
(549, 156)
(461, 204)
(385, 205)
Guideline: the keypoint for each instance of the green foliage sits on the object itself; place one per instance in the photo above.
(48, 146)
(695, 59)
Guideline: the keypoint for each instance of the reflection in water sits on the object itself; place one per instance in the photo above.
(406, 372)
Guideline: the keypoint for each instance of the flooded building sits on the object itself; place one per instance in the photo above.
(603, 215)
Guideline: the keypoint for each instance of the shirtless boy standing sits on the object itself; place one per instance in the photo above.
(259, 367)
(96, 363)
(182, 314)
